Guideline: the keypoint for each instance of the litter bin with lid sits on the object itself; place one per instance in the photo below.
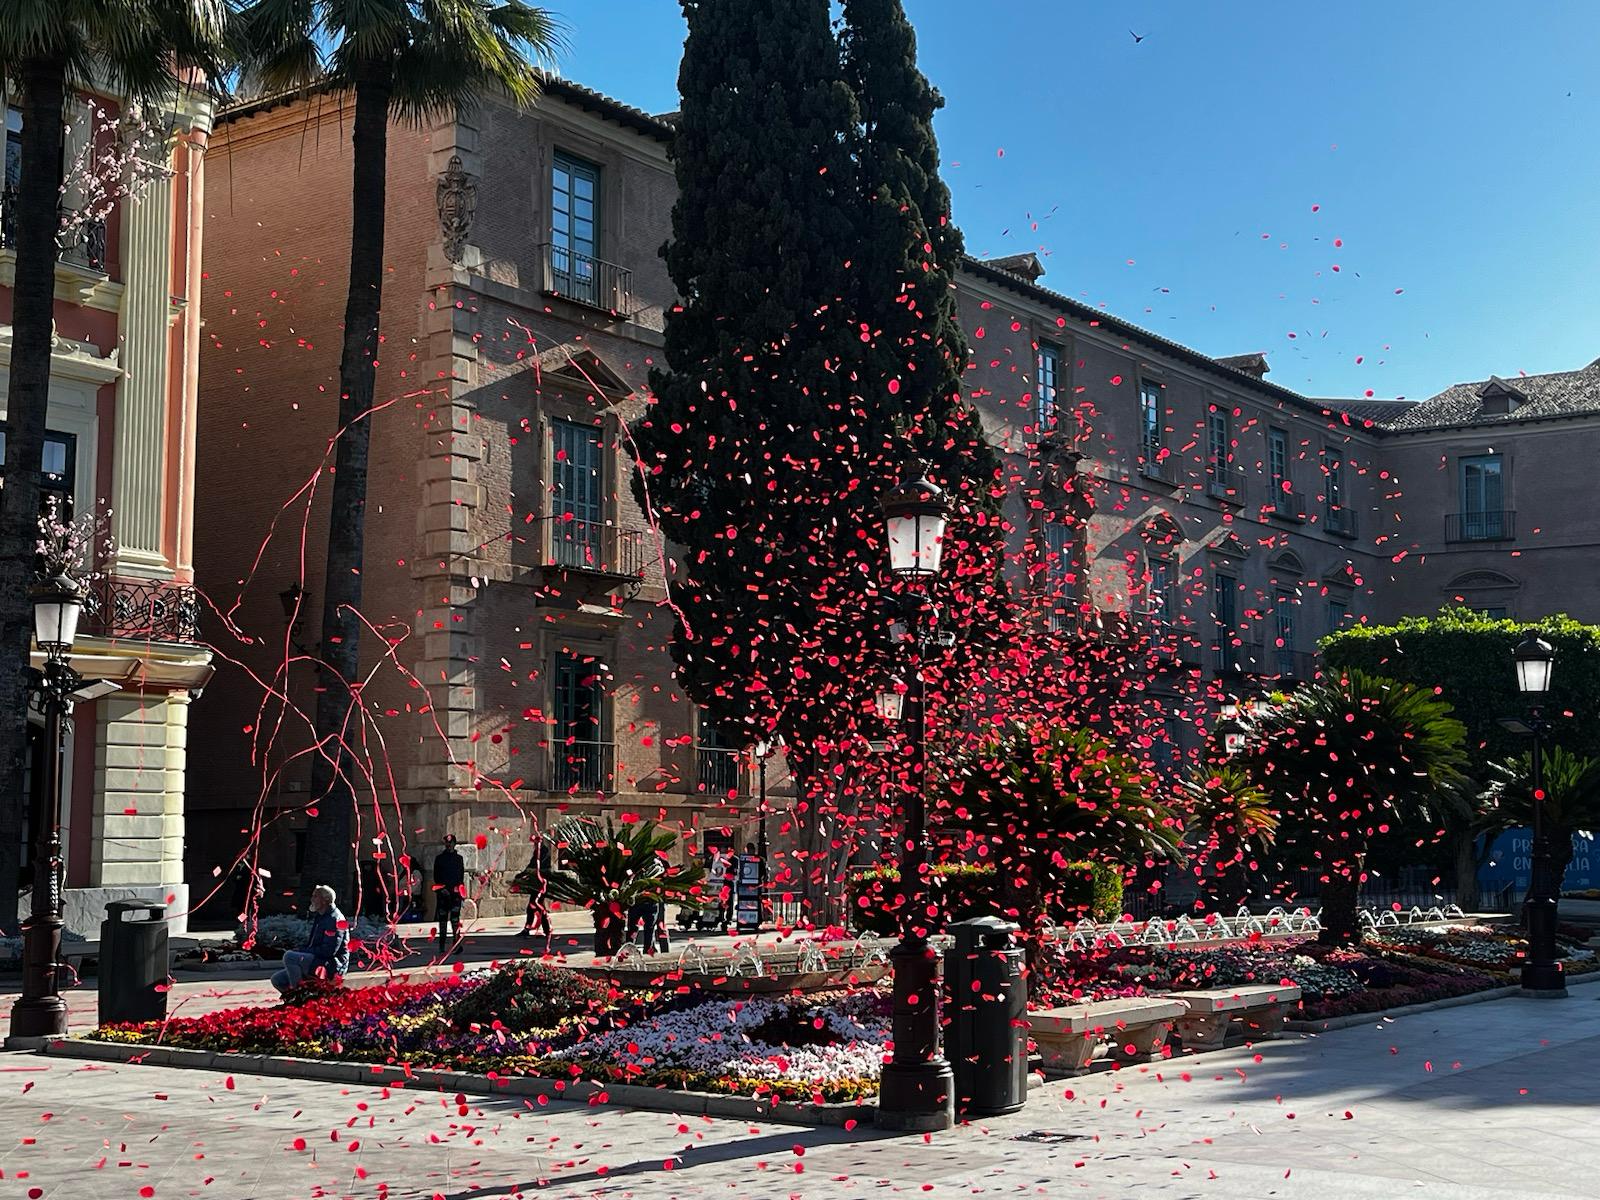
(986, 1003)
(133, 962)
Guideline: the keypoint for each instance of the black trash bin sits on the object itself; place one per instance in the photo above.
(133, 962)
(986, 1007)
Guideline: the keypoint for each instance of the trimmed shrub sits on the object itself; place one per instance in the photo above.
(526, 996)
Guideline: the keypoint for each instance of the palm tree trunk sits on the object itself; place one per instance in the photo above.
(329, 854)
(28, 399)
(1341, 907)
(1466, 854)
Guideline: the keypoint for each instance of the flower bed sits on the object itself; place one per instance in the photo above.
(1482, 947)
(1333, 982)
(534, 1019)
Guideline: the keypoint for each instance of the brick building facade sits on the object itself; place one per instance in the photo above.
(518, 642)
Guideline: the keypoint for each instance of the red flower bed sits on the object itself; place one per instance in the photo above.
(264, 1030)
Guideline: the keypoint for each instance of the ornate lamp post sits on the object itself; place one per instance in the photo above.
(1543, 974)
(763, 750)
(40, 1011)
(917, 1090)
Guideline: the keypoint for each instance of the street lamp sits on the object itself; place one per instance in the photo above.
(763, 750)
(917, 1089)
(40, 1011)
(1543, 974)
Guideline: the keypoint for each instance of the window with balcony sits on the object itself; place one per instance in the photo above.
(1047, 387)
(1283, 612)
(717, 761)
(1150, 439)
(1278, 461)
(1224, 607)
(1483, 516)
(583, 757)
(574, 228)
(1161, 602)
(577, 501)
(58, 464)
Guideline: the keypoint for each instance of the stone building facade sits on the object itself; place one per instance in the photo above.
(516, 594)
(121, 428)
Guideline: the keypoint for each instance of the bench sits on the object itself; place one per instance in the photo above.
(1137, 1025)
(1259, 1009)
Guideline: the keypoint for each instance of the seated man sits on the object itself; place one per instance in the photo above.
(327, 948)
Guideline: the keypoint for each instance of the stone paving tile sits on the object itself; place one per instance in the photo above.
(1493, 1100)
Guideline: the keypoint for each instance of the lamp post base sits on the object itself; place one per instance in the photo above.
(39, 1017)
(1547, 981)
(916, 1098)
(917, 1089)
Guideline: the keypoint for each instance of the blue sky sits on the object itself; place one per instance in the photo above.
(1200, 182)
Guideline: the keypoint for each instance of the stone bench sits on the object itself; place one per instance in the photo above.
(1137, 1026)
(1259, 1009)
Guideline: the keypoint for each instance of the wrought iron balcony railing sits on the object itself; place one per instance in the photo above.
(1292, 666)
(1226, 482)
(1341, 521)
(598, 547)
(143, 610)
(80, 242)
(718, 770)
(1286, 505)
(583, 767)
(1153, 465)
(586, 280)
(1494, 525)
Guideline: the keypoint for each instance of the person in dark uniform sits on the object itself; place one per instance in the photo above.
(449, 889)
(537, 916)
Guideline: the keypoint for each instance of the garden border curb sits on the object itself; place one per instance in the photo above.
(1329, 1024)
(530, 1087)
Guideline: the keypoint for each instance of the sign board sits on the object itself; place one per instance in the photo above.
(747, 894)
(1510, 861)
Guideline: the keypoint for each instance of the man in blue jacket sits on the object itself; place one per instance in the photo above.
(327, 948)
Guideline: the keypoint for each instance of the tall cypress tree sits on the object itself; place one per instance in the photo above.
(736, 451)
(913, 353)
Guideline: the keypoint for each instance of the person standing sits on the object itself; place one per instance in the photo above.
(327, 948)
(538, 914)
(717, 878)
(449, 890)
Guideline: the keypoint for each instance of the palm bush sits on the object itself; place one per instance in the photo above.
(1231, 823)
(1348, 761)
(1039, 800)
(1571, 799)
(610, 868)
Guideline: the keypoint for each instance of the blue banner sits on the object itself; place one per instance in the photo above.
(1510, 861)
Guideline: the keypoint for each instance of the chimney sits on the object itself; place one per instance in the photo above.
(1025, 266)
(1251, 364)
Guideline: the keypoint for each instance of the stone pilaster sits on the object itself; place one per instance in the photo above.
(139, 471)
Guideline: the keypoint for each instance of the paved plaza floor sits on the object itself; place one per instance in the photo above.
(1500, 1099)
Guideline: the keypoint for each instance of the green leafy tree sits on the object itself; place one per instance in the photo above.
(1346, 761)
(1038, 800)
(411, 60)
(1231, 823)
(610, 867)
(1571, 798)
(145, 50)
(1467, 656)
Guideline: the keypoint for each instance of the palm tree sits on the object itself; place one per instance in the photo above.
(1571, 799)
(412, 60)
(1347, 761)
(610, 868)
(144, 50)
(1039, 800)
(1231, 823)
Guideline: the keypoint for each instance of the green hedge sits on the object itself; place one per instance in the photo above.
(1467, 656)
(966, 890)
